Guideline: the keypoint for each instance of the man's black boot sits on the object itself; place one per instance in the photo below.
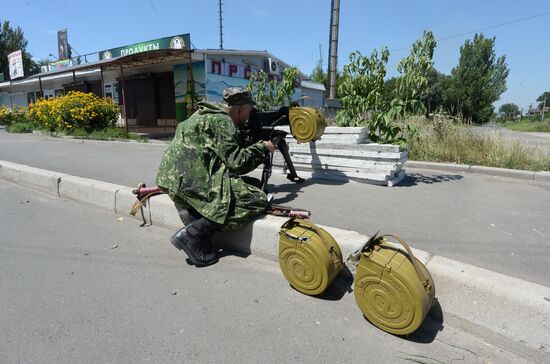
(176, 242)
(194, 248)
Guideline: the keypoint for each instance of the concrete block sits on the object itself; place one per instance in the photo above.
(35, 178)
(335, 134)
(328, 139)
(542, 177)
(371, 163)
(97, 193)
(503, 172)
(398, 177)
(382, 147)
(380, 178)
(356, 151)
(345, 130)
(322, 172)
(350, 167)
(342, 161)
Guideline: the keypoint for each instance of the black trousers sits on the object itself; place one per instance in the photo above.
(201, 228)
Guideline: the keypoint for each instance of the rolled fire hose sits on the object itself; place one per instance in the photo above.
(306, 124)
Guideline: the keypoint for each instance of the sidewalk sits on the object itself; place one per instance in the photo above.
(478, 296)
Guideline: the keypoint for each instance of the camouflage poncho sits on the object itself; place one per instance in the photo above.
(196, 167)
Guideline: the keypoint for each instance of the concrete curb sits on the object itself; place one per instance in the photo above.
(112, 140)
(512, 307)
(97, 193)
(439, 166)
(503, 172)
(541, 176)
(36, 178)
(485, 298)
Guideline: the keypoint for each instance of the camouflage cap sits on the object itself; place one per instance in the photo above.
(235, 96)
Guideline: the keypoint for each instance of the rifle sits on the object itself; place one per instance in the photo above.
(261, 126)
(144, 193)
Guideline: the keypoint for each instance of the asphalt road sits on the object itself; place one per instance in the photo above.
(492, 222)
(530, 138)
(80, 286)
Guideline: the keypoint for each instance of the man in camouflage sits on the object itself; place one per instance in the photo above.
(201, 171)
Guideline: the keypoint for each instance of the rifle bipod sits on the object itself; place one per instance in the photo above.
(143, 194)
(292, 176)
